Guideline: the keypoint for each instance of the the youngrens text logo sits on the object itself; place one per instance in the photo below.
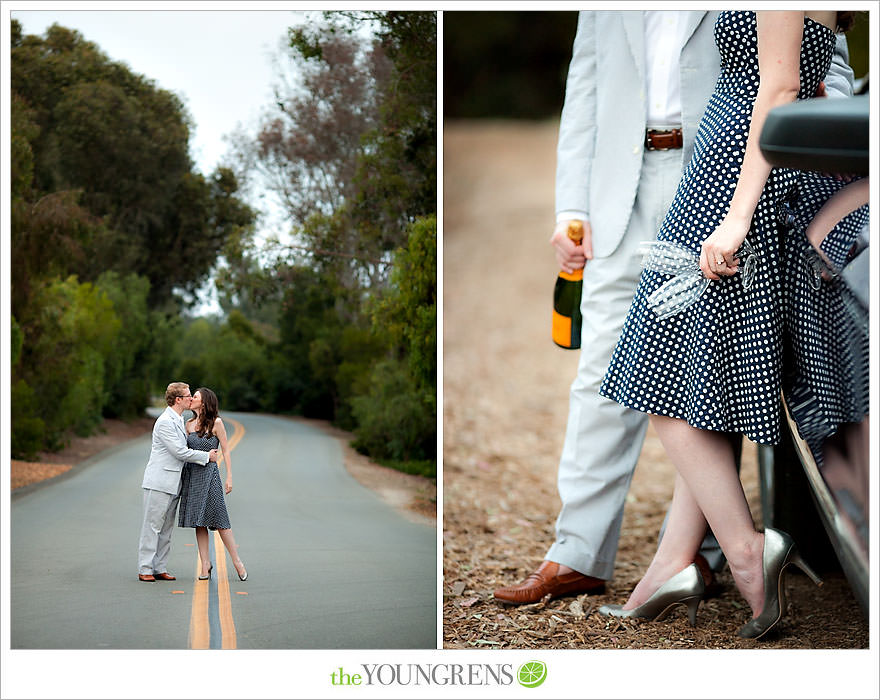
(529, 675)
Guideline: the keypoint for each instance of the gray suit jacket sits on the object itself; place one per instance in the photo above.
(602, 130)
(169, 453)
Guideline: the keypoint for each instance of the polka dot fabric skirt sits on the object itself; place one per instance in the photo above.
(826, 341)
(717, 364)
(201, 492)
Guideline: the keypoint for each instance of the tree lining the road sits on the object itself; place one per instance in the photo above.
(113, 231)
(110, 224)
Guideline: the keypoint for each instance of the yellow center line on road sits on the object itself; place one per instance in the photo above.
(199, 626)
(199, 632)
(227, 625)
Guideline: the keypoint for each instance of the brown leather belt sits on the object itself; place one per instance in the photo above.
(662, 140)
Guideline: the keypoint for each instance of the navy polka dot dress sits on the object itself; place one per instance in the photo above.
(201, 491)
(717, 364)
(825, 382)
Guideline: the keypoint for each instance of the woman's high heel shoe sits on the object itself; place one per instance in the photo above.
(685, 588)
(205, 578)
(779, 551)
(243, 578)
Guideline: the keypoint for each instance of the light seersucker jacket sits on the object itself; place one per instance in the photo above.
(169, 453)
(602, 129)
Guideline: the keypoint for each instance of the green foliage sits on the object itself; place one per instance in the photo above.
(110, 224)
(24, 132)
(127, 369)
(306, 46)
(419, 467)
(357, 322)
(408, 311)
(394, 419)
(112, 232)
(99, 129)
(61, 370)
(15, 341)
(359, 350)
(396, 178)
(227, 357)
(28, 429)
(397, 416)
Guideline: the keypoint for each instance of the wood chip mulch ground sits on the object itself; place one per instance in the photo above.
(505, 403)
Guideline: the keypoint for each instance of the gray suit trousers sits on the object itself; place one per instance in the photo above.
(160, 510)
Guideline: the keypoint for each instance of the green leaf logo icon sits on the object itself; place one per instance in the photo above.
(532, 673)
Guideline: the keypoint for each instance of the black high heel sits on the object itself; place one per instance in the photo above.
(210, 569)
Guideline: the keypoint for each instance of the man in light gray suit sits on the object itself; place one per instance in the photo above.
(637, 87)
(161, 483)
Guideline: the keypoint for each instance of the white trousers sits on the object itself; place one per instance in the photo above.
(160, 512)
(603, 439)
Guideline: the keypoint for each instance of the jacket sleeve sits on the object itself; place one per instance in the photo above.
(839, 80)
(577, 127)
(176, 447)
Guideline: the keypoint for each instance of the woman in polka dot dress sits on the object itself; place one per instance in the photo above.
(202, 504)
(825, 372)
(714, 368)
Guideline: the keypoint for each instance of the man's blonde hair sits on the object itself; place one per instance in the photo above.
(174, 390)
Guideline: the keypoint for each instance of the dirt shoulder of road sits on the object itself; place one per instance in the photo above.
(414, 497)
(48, 465)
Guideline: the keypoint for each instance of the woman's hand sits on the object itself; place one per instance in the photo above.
(718, 256)
(229, 484)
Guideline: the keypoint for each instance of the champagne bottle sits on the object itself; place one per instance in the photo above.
(566, 330)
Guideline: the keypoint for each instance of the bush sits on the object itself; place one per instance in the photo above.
(127, 367)
(28, 429)
(62, 358)
(397, 415)
(395, 421)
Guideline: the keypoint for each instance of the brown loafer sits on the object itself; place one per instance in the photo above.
(546, 580)
(147, 577)
(165, 576)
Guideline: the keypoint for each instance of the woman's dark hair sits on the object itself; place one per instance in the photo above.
(208, 413)
(845, 21)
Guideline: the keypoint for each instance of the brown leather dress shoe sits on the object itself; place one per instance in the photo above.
(147, 577)
(713, 589)
(546, 580)
(165, 576)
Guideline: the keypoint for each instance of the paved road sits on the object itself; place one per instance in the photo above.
(330, 565)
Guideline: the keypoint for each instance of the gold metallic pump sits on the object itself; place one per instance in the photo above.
(685, 588)
(779, 551)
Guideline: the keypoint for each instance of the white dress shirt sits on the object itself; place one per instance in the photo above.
(664, 37)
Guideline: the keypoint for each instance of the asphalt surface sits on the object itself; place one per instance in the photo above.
(330, 565)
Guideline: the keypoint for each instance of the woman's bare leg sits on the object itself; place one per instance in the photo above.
(685, 529)
(204, 550)
(710, 485)
(229, 540)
